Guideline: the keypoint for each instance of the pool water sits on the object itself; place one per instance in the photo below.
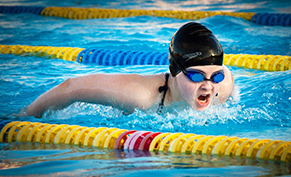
(260, 110)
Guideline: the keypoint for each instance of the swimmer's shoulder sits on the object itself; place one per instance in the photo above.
(226, 85)
(228, 75)
(151, 83)
(145, 88)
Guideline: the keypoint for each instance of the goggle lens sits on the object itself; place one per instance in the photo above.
(195, 77)
(218, 77)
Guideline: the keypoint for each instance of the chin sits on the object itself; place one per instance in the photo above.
(201, 108)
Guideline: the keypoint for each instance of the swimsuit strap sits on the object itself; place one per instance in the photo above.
(163, 89)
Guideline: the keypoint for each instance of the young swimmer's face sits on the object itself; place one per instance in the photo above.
(199, 95)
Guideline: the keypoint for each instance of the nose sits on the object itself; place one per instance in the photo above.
(206, 85)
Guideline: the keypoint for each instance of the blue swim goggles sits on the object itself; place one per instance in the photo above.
(199, 76)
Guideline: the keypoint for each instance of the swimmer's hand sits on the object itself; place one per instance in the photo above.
(21, 113)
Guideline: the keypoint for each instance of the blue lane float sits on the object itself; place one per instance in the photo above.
(21, 9)
(272, 19)
(117, 57)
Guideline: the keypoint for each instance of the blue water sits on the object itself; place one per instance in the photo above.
(260, 110)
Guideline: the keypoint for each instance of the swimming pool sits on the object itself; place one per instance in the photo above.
(261, 110)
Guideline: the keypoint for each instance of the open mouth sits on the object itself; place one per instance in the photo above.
(203, 99)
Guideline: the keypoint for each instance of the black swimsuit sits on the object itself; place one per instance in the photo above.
(163, 89)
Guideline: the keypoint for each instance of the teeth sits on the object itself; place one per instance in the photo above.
(203, 101)
(203, 98)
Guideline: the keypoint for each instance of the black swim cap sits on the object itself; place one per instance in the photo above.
(194, 45)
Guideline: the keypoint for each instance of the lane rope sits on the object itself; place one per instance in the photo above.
(270, 19)
(117, 57)
(115, 138)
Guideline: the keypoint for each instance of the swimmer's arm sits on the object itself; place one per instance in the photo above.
(55, 98)
(125, 92)
(227, 85)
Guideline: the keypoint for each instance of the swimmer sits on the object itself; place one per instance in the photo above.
(197, 77)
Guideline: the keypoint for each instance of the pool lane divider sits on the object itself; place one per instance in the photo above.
(269, 19)
(123, 139)
(106, 57)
